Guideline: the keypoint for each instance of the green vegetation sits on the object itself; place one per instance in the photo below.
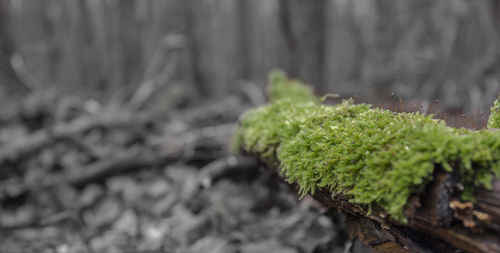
(372, 155)
(494, 120)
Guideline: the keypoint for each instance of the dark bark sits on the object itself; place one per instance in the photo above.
(437, 220)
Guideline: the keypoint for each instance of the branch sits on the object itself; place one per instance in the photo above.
(23, 148)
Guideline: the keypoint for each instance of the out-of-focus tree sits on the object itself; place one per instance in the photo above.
(424, 50)
(9, 81)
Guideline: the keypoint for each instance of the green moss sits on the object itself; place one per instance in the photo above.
(494, 120)
(374, 156)
(280, 87)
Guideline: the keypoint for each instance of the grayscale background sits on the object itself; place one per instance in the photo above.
(115, 115)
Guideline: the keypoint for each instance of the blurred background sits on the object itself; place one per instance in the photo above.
(419, 50)
(115, 115)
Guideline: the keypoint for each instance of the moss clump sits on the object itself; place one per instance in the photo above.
(283, 88)
(374, 156)
(494, 120)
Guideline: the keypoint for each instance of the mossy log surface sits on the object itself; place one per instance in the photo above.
(409, 182)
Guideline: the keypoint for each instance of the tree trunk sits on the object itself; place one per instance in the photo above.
(9, 79)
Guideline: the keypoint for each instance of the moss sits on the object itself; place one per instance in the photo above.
(494, 120)
(280, 87)
(374, 156)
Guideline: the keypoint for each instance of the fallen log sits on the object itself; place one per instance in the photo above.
(408, 182)
(424, 232)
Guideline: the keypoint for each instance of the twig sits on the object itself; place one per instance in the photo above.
(233, 166)
(153, 82)
(29, 81)
(124, 162)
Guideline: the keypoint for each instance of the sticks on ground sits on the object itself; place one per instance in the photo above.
(23, 148)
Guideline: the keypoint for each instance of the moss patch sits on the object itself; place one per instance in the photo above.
(374, 156)
(494, 120)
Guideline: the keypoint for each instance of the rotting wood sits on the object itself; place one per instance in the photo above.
(437, 220)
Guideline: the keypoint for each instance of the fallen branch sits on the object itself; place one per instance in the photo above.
(20, 149)
(232, 166)
(23, 148)
(403, 177)
(436, 220)
(135, 159)
(200, 144)
(158, 72)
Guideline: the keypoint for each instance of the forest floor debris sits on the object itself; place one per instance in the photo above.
(151, 182)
